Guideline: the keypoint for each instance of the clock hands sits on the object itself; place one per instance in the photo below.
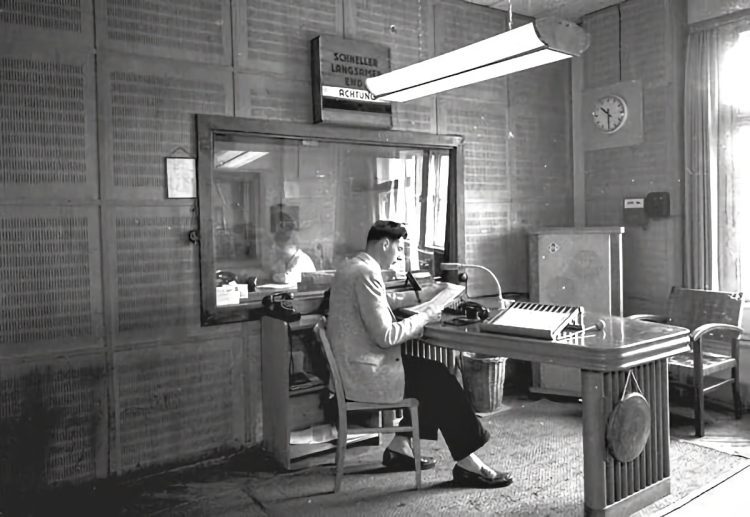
(609, 117)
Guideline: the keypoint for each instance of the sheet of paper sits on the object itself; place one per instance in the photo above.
(440, 300)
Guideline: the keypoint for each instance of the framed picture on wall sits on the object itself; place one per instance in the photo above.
(180, 177)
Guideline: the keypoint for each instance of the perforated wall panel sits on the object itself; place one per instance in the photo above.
(459, 24)
(274, 37)
(601, 61)
(272, 41)
(53, 422)
(148, 112)
(157, 271)
(177, 402)
(47, 125)
(540, 124)
(406, 28)
(66, 22)
(266, 97)
(193, 30)
(49, 278)
(644, 43)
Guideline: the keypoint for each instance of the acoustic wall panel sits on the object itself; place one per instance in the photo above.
(459, 24)
(53, 422)
(47, 125)
(191, 30)
(407, 28)
(49, 278)
(178, 402)
(274, 37)
(601, 62)
(483, 126)
(264, 97)
(147, 110)
(157, 272)
(64, 23)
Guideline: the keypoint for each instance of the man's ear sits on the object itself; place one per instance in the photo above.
(386, 242)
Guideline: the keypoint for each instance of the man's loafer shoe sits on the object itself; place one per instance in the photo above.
(486, 479)
(397, 461)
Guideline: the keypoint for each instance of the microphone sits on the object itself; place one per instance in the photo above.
(450, 266)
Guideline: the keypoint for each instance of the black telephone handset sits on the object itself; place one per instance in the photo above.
(280, 306)
(473, 310)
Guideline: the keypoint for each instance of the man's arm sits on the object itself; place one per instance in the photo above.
(377, 317)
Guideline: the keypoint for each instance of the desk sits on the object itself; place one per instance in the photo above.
(611, 488)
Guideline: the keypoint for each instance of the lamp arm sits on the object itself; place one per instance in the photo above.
(497, 282)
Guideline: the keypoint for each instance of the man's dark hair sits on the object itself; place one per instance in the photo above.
(386, 229)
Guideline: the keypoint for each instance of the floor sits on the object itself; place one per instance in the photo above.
(222, 488)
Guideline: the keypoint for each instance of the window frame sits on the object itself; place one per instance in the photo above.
(208, 126)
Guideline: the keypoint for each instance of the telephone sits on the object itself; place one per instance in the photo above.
(472, 311)
(280, 306)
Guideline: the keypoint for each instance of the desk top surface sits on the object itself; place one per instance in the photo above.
(622, 343)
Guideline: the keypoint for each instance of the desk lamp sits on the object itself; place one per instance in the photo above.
(456, 266)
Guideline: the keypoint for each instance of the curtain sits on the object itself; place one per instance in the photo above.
(701, 160)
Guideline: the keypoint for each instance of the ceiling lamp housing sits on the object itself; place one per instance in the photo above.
(542, 41)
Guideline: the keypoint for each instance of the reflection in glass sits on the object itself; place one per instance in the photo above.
(287, 211)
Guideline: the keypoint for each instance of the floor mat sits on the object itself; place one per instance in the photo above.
(539, 442)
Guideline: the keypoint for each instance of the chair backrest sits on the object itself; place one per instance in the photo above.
(333, 368)
(691, 308)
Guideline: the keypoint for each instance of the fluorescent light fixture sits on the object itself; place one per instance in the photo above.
(542, 41)
(243, 159)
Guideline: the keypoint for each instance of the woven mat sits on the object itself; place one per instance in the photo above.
(539, 442)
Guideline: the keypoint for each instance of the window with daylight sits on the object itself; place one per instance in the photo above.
(735, 143)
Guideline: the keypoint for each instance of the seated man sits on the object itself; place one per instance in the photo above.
(366, 339)
(291, 261)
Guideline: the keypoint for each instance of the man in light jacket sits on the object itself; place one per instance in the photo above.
(366, 340)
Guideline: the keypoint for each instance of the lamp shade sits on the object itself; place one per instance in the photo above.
(542, 41)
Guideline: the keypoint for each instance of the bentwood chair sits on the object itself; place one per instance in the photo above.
(345, 406)
(713, 318)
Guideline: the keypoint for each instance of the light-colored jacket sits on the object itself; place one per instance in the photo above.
(365, 337)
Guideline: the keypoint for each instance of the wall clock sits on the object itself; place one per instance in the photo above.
(610, 113)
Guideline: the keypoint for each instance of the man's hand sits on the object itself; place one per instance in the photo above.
(433, 315)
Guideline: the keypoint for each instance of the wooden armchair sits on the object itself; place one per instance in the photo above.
(708, 314)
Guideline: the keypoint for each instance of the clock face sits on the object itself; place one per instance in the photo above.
(610, 113)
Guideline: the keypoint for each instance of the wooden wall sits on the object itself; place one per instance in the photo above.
(104, 368)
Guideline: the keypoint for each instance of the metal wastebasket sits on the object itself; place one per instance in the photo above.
(483, 377)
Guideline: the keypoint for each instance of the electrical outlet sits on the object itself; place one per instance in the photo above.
(633, 202)
(634, 213)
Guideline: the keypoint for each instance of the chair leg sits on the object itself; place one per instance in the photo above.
(415, 445)
(736, 392)
(700, 426)
(340, 450)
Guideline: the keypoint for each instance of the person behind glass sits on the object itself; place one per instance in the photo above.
(291, 261)
(366, 339)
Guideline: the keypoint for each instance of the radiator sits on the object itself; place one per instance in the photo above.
(419, 348)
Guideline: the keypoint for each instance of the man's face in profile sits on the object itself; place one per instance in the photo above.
(395, 251)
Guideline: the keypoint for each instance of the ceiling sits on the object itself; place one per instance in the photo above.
(567, 9)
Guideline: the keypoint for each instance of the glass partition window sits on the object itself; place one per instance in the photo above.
(285, 212)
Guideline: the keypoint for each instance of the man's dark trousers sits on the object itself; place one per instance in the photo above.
(443, 405)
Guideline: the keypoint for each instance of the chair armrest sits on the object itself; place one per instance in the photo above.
(699, 332)
(655, 318)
